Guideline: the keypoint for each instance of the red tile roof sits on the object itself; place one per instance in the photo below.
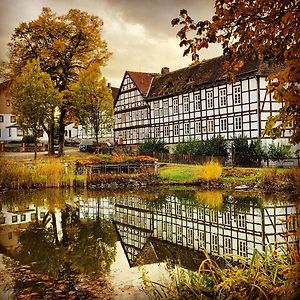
(142, 80)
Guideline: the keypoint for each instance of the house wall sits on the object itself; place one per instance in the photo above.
(224, 109)
(132, 115)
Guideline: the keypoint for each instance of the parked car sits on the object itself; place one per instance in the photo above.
(90, 145)
(72, 142)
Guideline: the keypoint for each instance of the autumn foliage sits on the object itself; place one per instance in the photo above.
(261, 30)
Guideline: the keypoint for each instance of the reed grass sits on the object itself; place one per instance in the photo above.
(50, 173)
(269, 275)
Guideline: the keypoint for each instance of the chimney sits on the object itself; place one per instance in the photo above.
(108, 85)
(165, 70)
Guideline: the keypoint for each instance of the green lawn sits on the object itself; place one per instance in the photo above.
(178, 173)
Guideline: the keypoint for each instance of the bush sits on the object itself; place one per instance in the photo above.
(153, 145)
(209, 171)
(279, 152)
(248, 154)
(216, 146)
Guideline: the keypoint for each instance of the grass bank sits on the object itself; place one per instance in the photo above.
(269, 179)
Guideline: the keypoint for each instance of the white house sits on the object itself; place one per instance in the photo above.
(195, 102)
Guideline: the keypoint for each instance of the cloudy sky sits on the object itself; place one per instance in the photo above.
(138, 32)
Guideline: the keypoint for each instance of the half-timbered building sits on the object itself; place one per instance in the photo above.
(197, 102)
(132, 112)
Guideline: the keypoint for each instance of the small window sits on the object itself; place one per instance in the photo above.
(166, 131)
(227, 245)
(23, 218)
(19, 132)
(1, 118)
(13, 119)
(238, 123)
(156, 109)
(223, 124)
(189, 212)
(190, 236)
(241, 221)
(213, 216)
(42, 215)
(198, 127)
(226, 218)
(156, 132)
(242, 250)
(175, 106)
(201, 239)
(169, 232)
(169, 208)
(201, 213)
(237, 97)
(166, 107)
(187, 128)
(214, 243)
(209, 99)
(2, 220)
(186, 104)
(210, 126)
(178, 209)
(176, 129)
(14, 219)
(197, 102)
(179, 234)
(33, 216)
(222, 97)
(10, 234)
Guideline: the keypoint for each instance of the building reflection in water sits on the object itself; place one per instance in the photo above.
(178, 226)
(180, 229)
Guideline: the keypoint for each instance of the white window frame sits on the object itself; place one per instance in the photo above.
(165, 107)
(227, 245)
(190, 236)
(226, 218)
(198, 127)
(209, 99)
(210, 126)
(242, 249)
(238, 123)
(175, 106)
(214, 243)
(213, 216)
(186, 128)
(186, 104)
(176, 129)
(223, 97)
(223, 124)
(156, 109)
(197, 102)
(237, 94)
(241, 221)
(179, 233)
(201, 239)
(156, 132)
(166, 131)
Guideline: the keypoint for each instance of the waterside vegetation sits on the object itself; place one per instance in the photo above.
(72, 171)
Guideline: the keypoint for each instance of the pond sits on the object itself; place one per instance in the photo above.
(64, 234)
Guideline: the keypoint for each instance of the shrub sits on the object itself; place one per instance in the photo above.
(209, 171)
(279, 152)
(153, 145)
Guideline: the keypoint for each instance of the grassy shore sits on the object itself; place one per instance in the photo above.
(270, 179)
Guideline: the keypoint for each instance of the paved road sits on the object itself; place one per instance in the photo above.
(29, 155)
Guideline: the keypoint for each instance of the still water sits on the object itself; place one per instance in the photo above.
(113, 233)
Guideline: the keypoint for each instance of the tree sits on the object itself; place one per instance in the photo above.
(34, 100)
(93, 101)
(278, 152)
(150, 146)
(65, 45)
(259, 29)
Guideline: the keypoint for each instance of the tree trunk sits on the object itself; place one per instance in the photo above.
(61, 133)
(35, 148)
